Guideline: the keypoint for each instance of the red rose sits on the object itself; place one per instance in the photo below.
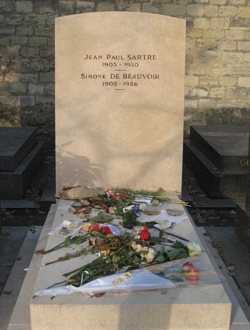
(144, 234)
(190, 271)
(96, 227)
(106, 230)
(123, 197)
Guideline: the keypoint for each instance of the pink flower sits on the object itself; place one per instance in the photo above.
(112, 210)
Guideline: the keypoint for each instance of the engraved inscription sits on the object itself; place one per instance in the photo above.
(120, 70)
(134, 57)
(244, 162)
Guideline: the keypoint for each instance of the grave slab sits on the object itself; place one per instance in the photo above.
(119, 100)
(13, 184)
(242, 228)
(216, 183)
(20, 318)
(160, 309)
(225, 146)
(15, 144)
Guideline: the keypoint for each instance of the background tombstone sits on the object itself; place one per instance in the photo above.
(248, 179)
(242, 227)
(119, 100)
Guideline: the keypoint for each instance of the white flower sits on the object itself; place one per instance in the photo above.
(151, 254)
(144, 252)
(142, 206)
(138, 248)
(149, 257)
(152, 251)
(193, 249)
(133, 245)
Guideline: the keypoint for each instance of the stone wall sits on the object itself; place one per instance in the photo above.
(217, 57)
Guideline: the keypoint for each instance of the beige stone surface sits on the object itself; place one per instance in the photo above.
(20, 319)
(119, 100)
(205, 306)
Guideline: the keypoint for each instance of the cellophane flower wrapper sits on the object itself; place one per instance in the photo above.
(137, 280)
(175, 271)
(156, 277)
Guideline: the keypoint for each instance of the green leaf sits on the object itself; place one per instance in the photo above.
(178, 245)
(155, 239)
(67, 241)
(182, 255)
(160, 258)
(175, 278)
(97, 233)
(173, 254)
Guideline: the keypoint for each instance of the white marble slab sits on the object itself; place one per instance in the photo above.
(204, 306)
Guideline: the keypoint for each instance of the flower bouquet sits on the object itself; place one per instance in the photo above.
(127, 258)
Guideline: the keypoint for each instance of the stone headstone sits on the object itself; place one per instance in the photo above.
(20, 157)
(119, 100)
(15, 144)
(216, 183)
(248, 179)
(242, 227)
(225, 146)
(13, 184)
(218, 158)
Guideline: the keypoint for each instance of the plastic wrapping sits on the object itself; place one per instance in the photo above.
(162, 276)
(138, 280)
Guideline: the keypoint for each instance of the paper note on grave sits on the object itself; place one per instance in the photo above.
(119, 100)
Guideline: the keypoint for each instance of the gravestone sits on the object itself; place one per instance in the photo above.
(218, 157)
(226, 146)
(119, 122)
(20, 157)
(15, 144)
(242, 227)
(247, 204)
(119, 100)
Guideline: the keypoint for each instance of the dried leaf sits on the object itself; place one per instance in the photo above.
(9, 264)
(174, 212)
(7, 292)
(216, 245)
(151, 212)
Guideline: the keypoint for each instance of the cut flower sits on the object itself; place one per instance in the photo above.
(193, 249)
(190, 271)
(144, 234)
